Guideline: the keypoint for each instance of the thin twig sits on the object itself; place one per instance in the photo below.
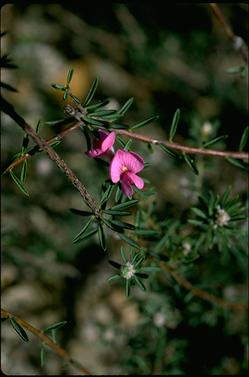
(36, 149)
(183, 148)
(45, 339)
(200, 293)
(132, 135)
(238, 43)
(89, 200)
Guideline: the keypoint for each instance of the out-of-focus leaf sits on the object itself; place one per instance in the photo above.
(126, 106)
(18, 183)
(19, 330)
(56, 325)
(144, 122)
(215, 140)
(174, 124)
(91, 92)
(244, 139)
(190, 163)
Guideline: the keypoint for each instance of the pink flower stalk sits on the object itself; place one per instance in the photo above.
(102, 145)
(124, 167)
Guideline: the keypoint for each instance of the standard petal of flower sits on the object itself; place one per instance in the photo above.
(116, 166)
(108, 141)
(126, 186)
(132, 161)
(138, 181)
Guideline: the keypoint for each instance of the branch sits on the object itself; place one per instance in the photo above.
(183, 148)
(132, 135)
(36, 149)
(45, 339)
(89, 200)
(238, 42)
(200, 293)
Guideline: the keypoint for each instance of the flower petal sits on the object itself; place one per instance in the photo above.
(126, 185)
(94, 153)
(108, 141)
(116, 166)
(132, 161)
(138, 181)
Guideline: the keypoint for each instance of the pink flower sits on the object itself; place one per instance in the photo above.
(102, 145)
(124, 167)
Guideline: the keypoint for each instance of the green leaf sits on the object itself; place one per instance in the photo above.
(97, 105)
(116, 213)
(122, 252)
(215, 140)
(91, 92)
(240, 164)
(129, 241)
(99, 113)
(69, 75)
(83, 230)
(91, 121)
(190, 163)
(18, 183)
(79, 212)
(146, 232)
(86, 235)
(106, 194)
(23, 171)
(101, 235)
(37, 128)
(58, 86)
(119, 127)
(125, 205)
(144, 122)
(76, 99)
(198, 212)
(169, 151)
(56, 325)
(121, 224)
(65, 95)
(42, 357)
(128, 144)
(174, 124)
(19, 330)
(115, 264)
(114, 277)
(244, 139)
(126, 106)
(139, 283)
(118, 138)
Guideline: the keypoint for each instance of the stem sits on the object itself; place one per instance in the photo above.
(200, 293)
(45, 339)
(238, 42)
(183, 148)
(89, 200)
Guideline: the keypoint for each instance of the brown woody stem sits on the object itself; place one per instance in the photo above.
(45, 339)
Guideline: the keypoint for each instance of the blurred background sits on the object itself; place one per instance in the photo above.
(166, 57)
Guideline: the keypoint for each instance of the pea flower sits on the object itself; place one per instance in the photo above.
(123, 168)
(102, 145)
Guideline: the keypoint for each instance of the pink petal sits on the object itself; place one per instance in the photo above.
(126, 185)
(94, 153)
(138, 181)
(131, 160)
(116, 166)
(108, 141)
